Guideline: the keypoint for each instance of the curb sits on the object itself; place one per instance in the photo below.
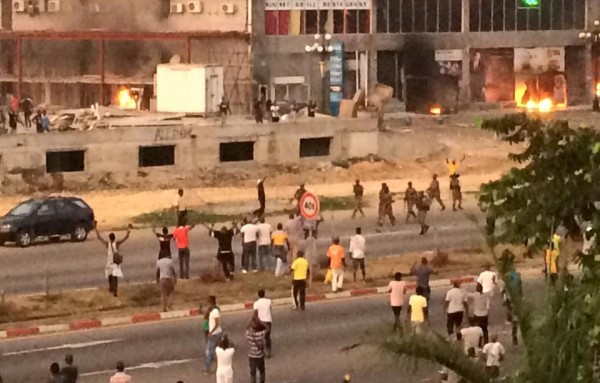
(178, 314)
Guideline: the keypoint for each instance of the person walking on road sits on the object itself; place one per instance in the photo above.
(225, 352)
(300, 275)
(294, 230)
(471, 337)
(263, 312)
(456, 305)
(264, 244)
(262, 198)
(335, 253)
(166, 279)
(357, 253)
(214, 332)
(417, 311)
(120, 376)
(435, 192)
(358, 191)
(386, 199)
(410, 199)
(488, 280)
(182, 238)
(69, 373)
(249, 232)
(225, 254)
(280, 247)
(423, 206)
(456, 192)
(481, 309)
(397, 290)
(255, 335)
(423, 273)
(180, 206)
(54, 376)
(114, 259)
(494, 352)
(164, 242)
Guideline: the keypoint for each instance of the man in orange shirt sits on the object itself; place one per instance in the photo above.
(335, 253)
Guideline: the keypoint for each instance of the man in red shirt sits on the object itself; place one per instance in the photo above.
(335, 253)
(181, 235)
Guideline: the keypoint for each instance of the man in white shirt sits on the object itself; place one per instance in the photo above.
(487, 279)
(494, 352)
(180, 206)
(264, 244)
(293, 228)
(357, 252)
(120, 376)
(471, 337)
(249, 234)
(213, 337)
(481, 309)
(262, 310)
(456, 305)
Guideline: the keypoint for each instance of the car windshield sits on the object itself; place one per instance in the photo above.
(24, 209)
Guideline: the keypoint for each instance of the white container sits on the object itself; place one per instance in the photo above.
(189, 88)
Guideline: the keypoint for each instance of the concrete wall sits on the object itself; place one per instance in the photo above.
(196, 146)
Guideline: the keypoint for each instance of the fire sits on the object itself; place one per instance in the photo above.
(125, 99)
(598, 89)
(435, 110)
(546, 105)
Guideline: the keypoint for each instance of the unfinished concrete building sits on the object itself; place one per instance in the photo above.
(74, 53)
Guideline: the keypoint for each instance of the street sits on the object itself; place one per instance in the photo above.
(81, 265)
(307, 346)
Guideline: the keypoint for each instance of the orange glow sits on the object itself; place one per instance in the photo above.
(520, 89)
(125, 99)
(545, 105)
(435, 110)
(531, 105)
(598, 89)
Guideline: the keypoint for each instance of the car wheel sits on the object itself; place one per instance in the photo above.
(79, 234)
(24, 238)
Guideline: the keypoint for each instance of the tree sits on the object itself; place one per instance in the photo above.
(558, 184)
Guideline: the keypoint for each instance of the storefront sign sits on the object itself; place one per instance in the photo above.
(336, 77)
(284, 5)
(448, 55)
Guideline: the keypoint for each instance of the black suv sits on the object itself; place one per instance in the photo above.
(50, 217)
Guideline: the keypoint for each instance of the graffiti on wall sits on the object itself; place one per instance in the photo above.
(170, 133)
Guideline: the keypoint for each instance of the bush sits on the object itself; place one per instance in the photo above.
(440, 259)
(212, 275)
(145, 296)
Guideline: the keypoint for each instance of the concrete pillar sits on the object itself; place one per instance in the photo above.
(465, 81)
(47, 93)
(465, 14)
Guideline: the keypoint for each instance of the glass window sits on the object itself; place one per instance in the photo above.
(364, 21)
(485, 14)
(444, 16)
(394, 13)
(431, 24)
(322, 21)
(352, 21)
(474, 12)
(46, 209)
(510, 15)
(456, 15)
(311, 22)
(498, 15)
(338, 21)
(419, 14)
(383, 16)
(24, 209)
(407, 16)
(546, 15)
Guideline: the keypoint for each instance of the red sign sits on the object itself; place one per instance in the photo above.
(309, 206)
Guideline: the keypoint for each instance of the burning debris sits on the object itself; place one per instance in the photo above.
(127, 98)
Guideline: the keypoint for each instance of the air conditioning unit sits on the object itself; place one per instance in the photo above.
(53, 6)
(34, 7)
(19, 6)
(176, 8)
(229, 9)
(194, 6)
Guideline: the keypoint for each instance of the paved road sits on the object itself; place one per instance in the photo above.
(307, 346)
(78, 265)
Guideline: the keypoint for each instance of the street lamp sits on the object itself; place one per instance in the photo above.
(322, 46)
(593, 38)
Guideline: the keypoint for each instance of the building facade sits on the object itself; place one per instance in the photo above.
(447, 52)
(74, 53)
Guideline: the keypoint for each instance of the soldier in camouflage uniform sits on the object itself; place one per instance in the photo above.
(423, 205)
(434, 191)
(410, 199)
(385, 205)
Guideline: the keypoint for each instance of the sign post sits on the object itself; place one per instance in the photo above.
(310, 209)
(336, 77)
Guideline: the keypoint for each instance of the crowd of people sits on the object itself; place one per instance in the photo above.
(14, 111)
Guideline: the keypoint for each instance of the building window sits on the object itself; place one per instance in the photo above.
(159, 155)
(410, 16)
(315, 147)
(236, 151)
(506, 15)
(65, 161)
(309, 22)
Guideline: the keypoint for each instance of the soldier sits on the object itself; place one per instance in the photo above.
(358, 191)
(312, 107)
(258, 112)
(434, 191)
(385, 205)
(456, 193)
(298, 195)
(224, 109)
(410, 198)
(423, 204)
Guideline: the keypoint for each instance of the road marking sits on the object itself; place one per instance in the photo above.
(63, 346)
(151, 365)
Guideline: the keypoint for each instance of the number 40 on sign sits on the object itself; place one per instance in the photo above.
(309, 206)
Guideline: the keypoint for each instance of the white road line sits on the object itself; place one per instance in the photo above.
(64, 346)
(152, 365)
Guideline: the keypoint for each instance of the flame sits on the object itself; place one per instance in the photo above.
(436, 110)
(545, 105)
(598, 89)
(125, 99)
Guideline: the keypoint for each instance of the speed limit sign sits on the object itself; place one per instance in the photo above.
(309, 206)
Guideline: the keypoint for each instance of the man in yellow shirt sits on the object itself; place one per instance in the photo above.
(417, 311)
(300, 273)
(335, 253)
(551, 263)
(280, 246)
(454, 165)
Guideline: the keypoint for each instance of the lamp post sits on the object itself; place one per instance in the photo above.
(322, 46)
(593, 38)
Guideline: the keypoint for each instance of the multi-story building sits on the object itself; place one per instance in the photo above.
(431, 51)
(78, 52)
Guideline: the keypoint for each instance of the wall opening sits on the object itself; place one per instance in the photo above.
(236, 151)
(65, 161)
(315, 147)
(159, 155)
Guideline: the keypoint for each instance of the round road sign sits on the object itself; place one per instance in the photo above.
(309, 206)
